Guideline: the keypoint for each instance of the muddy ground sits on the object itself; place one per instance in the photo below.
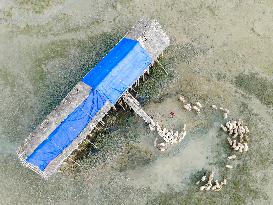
(221, 53)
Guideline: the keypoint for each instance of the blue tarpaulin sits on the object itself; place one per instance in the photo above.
(67, 131)
(109, 79)
(119, 69)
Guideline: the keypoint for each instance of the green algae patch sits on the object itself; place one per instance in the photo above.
(257, 86)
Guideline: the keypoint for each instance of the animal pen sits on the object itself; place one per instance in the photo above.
(65, 128)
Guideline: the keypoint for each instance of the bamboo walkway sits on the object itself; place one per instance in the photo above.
(134, 104)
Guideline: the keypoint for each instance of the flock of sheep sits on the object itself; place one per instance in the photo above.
(238, 141)
(168, 137)
(211, 184)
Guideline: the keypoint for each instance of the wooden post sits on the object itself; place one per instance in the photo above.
(162, 67)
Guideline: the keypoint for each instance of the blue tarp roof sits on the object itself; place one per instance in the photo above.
(67, 131)
(109, 79)
(119, 69)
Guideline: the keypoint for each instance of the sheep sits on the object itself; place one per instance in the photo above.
(229, 166)
(245, 147)
(224, 128)
(237, 148)
(234, 123)
(208, 187)
(203, 178)
(162, 149)
(230, 132)
(157, 126)
(199, 104)
(241, 130)
(210, 178)
(213, 188)
(152, 128)
(202, 188)
(162, 144)
(217, 184)
(232, 157)
(184, 128)
(229, 141)
(240, 122)
(229, 125)
(214, 107)
(182, 99)
(235, 135)
(246, 129)
(165, 131)
(187, 107)
(241, 138)
(234, 144)
(196, 109)
(241, 149)
(218, 189)
(176, 134)
(155, 142)
(224, 182)
(181, 136)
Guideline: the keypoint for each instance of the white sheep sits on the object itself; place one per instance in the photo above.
(229, 141)
(232, 157)
(196, 109)
(203, 178)
(155, 142)
(184, 128)
(187, 107)
(235, 135)
(224, 128)
(229, 125)
(211, 178)
(224, 182)
(245, 147)
(229, 166)
(234, 144)
(237, 148)
(152, 128)
(241, 149)
(199, 104)
(214, 107)
(182, 99)
(208, 187)
(202, 188)
(246, 129)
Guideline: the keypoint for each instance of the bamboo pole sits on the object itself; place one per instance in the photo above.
(162, 67)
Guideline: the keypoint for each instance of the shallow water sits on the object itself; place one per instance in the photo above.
(221, 53)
